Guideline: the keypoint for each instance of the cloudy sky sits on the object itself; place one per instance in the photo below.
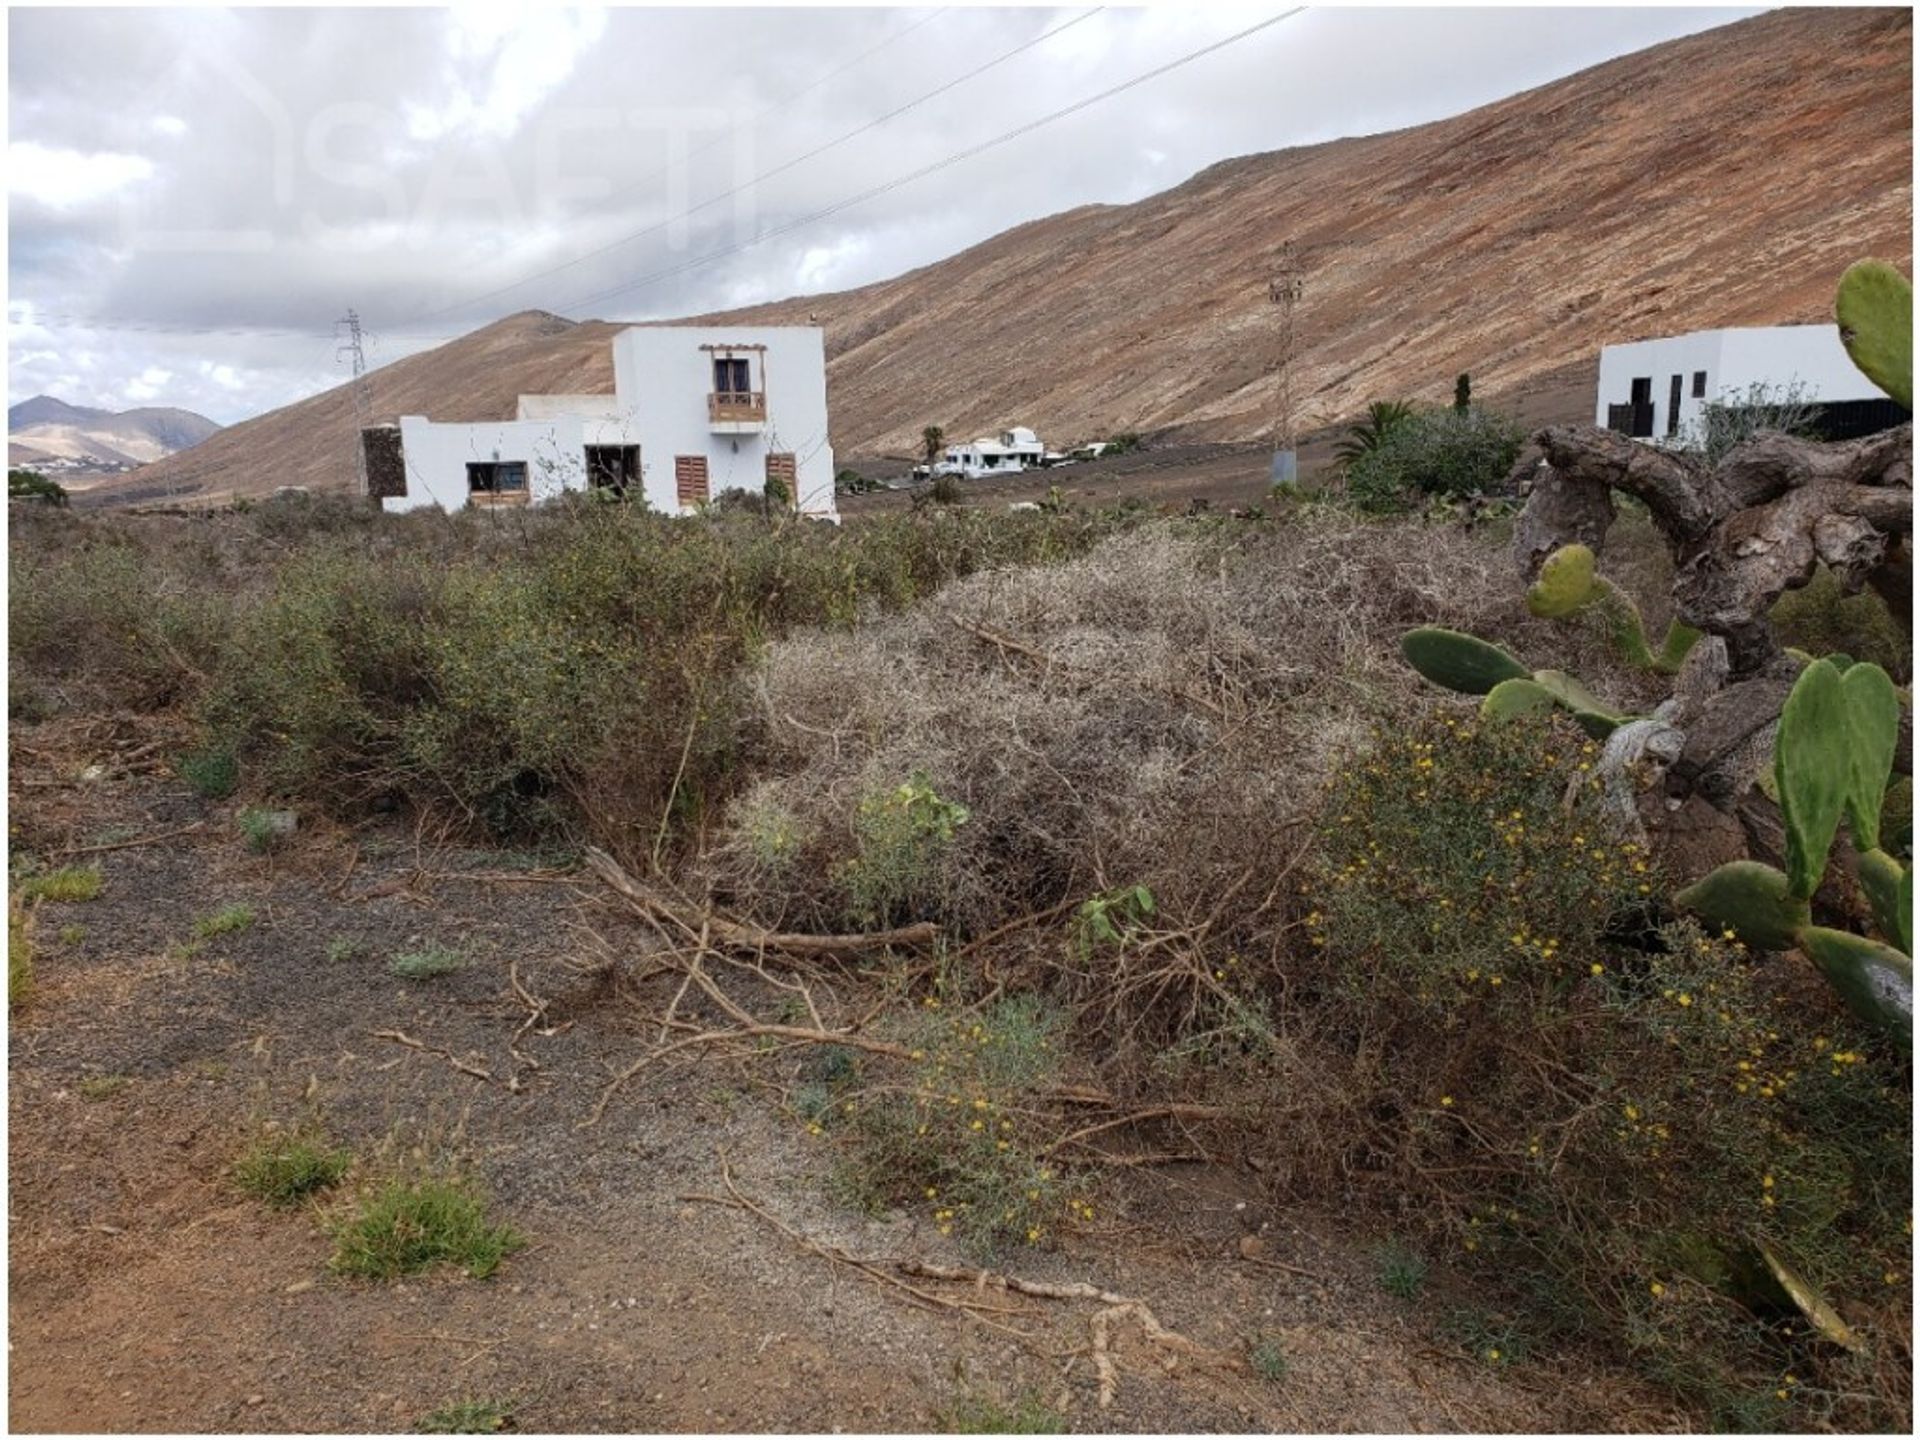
(196, 195)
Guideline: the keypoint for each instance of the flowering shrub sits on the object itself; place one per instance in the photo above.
(1605, 1114)
(958, 1140)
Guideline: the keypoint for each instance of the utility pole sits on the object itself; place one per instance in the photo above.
(1284, 290)
(352, 348)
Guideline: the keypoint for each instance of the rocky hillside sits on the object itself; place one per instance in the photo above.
(1722, 179)
(49, 432)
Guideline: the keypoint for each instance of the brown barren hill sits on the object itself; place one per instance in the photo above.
(1722, 179)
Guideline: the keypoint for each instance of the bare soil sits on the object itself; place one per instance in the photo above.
(146, 1294)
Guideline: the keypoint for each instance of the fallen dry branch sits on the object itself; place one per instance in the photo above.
(164, 835)
(738, 936)
(872, 1270)
(1113, 1309)
(400, 1037)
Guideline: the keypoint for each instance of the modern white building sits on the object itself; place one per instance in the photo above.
(1658, 390)
(695, 412)
(1014, 450)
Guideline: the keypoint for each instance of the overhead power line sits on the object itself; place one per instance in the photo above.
(894, 184)
(765, 175)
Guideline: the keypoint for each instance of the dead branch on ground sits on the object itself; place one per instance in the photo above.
(735, 935)
(400, 1037)
(1114, 1308)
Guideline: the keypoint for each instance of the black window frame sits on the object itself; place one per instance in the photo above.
(725, 373)
(1699, 384)
(492, 473)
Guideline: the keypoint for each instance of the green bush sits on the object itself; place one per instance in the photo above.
(32, 485)
(427, 963)
(1435, 453)
(401, 1226)
(1597, 1113)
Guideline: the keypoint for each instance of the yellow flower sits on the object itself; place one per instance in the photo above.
(1657, 1289)
(1446, 1100)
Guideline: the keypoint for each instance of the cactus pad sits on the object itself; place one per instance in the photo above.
(1875, 309)
(1873, 732)
(1810, 768)
(1460, 662)
(1889, 892)
(1750, 899)
(1875, 980)
(1565, 583)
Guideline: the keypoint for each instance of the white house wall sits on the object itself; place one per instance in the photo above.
(663, 378)
(1778, 356)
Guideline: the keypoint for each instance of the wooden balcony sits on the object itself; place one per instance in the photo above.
(737, 407)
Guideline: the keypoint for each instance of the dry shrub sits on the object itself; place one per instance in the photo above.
(1161, 712)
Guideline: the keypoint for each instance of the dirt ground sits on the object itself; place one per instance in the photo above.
(146, 1294)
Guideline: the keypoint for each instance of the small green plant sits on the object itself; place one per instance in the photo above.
(343, 948)
(264, 830)
(427, 962)
(1125, 443)
(957, 1141)
(69, 885)
(1383, 418)
(1491, 1339)
(974, 1412)
(71, 935)
(1268, 1359)
(402, 1225)
(284, 1169)
(227, 920)
(1402, 1273)
(102, 1087)
(467, 1417)
(20, 925)
(213, 772)
(904, 833)
(1108, 919)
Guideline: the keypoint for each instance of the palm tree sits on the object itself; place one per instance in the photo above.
(933, 440)
(1383, 418)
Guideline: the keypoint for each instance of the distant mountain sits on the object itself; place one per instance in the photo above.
(47, 431)
(1723, 179)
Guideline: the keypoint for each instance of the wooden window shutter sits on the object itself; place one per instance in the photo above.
(781, 466)
(690, 479)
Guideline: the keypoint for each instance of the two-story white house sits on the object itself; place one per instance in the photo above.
(695, 412)
(1658, 390)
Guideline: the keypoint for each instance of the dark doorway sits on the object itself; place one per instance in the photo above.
(613, 468)
(1673, 406)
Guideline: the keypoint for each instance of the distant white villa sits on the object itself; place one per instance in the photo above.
(1015, 449)
(695, 412)
(1658, 390)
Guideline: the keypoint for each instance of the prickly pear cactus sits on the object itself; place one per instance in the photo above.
(1569, 582)
(1874, 306)
(1832, 758)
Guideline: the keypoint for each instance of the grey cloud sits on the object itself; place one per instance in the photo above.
(307, 160)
